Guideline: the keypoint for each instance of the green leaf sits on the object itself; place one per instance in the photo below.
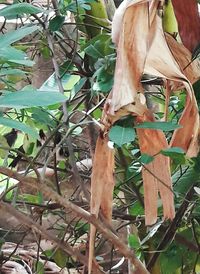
(146, 159)
(133, 241)
(4, 72)
(16, 35)
(165, 126)
(40, 267)
(56, 23)
(42, 117)
(136, 209)
(121, 135)
(3, 144)
(92, 51)
(15, 10)
(26, 99)
(78, 86)
(172, 151)
(175, 153)
(60, 258)
(27, 63)
(10, 53)
(18, 125)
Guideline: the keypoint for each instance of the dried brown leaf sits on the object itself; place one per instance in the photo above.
(161, 62)
(191, 69)
(102, 185)
(156, 175)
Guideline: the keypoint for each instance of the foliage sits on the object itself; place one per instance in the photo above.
(53, 130)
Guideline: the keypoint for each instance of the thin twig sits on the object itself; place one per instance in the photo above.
(102, 227)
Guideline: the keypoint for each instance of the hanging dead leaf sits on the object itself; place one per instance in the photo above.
(102, 185)
(156, 175)
(160, 62)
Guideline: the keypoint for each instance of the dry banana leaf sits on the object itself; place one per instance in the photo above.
(161, 62)
(102, 185)
(187, 15)
(156, 175)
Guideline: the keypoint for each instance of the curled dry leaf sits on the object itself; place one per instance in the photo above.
(102, 185)
(161, 62)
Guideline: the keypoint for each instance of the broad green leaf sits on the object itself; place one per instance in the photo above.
(10, 53)
(15, 10)
(56, 23)
(24, 62)
(18, 125)
(4, 72)
(172, 151)
(146, 159)
(92, 51)
(165, 126)
(16, 35)
(121, 135)
(26, 99)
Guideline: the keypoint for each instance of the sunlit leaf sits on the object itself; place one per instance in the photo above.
(13, 36)
(18, 9)
(26, 99)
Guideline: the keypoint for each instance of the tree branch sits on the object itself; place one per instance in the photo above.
(102, 227)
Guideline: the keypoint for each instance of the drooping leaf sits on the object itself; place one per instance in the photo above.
(156, 174)
(18, 9)
(164, 126)
(11, 72)
(102, 181)
(172, 151)
(10, 53)
(13, 36)
(19, 126)
(26, 99)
